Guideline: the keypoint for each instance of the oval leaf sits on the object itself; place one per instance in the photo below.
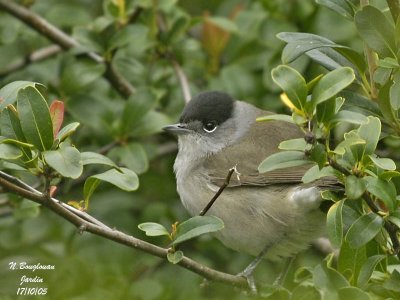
(384, 190)
(334, 223)
(332, 83)
(292, 83)
(294, 144)
(384, 163)
(66, 131)
(175, 257)
(9, 152)
(66, 160)
(282, 160)
(126, 180)
(376, 30)
(196, 226)
(277, 117)
(355, 187)
(367, 269)
(153, 229)
(9, 92)
(35, 118)
(91, 158)
(364, 229)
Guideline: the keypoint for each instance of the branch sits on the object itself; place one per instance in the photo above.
(35, 56)
(66, 42)
(84, 222)
(183, 81)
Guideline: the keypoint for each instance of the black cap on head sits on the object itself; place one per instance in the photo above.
(208, 106)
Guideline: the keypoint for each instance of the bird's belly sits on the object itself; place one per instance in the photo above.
(254, 219)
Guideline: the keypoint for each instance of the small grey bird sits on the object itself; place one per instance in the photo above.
(271, 214)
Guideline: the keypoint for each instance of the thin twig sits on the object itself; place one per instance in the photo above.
(84, 225)
(65, 41)
(36, 56)
(183, 80)
(218, 193)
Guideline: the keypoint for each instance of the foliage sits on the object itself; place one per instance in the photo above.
(346, 103)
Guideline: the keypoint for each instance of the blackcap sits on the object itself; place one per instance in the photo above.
(271, 214)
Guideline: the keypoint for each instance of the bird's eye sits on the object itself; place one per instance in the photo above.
(210, 127)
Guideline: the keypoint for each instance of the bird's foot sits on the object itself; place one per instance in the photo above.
(248, 274)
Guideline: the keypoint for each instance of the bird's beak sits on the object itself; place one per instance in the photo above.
(177, 129)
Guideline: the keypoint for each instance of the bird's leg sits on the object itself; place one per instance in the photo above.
(282, 276)
(248, 271)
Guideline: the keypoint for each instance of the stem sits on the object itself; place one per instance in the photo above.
(66, 42)
(218, 193)
(94, 226)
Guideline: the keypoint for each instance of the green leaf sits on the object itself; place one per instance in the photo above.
(132, 156)
(383, 163)
(319, 155)
(196, 226)
(79, 74)
(334, 223)
(175, 257)
(342, 7)
(394, 92)
(350, 261)
(388, 63)
(153, 229)
(355, 187)
(151, 123)
(136, 108)
(277, 117)
(332, 83)
(89, 187)
(376, 30)
(35, 118)
(9, 152)
(66, 131)
(370, 131)
(315, 173)
(364, 229)
(126, 180)
(349, 117)
(352, 292)
(90, 158)
(9, 92)
(328, 279)
(384, 190)
(66, 160)
(282, 160)
(294, 144)
(292, 83)
(350, 138)
(367, 269)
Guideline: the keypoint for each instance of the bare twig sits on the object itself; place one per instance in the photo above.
(183, 81)
(218, 193)
(35, 56)
(65, 41)
(96, 227)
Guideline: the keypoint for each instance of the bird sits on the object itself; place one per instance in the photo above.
(269, 215)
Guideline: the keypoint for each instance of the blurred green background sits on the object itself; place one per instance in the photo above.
(232, 50)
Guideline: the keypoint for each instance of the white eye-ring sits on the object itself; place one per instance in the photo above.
(210, 127)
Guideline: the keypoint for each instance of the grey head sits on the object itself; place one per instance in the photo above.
(210, 122)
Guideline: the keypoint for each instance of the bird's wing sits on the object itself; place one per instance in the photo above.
(262, 141)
